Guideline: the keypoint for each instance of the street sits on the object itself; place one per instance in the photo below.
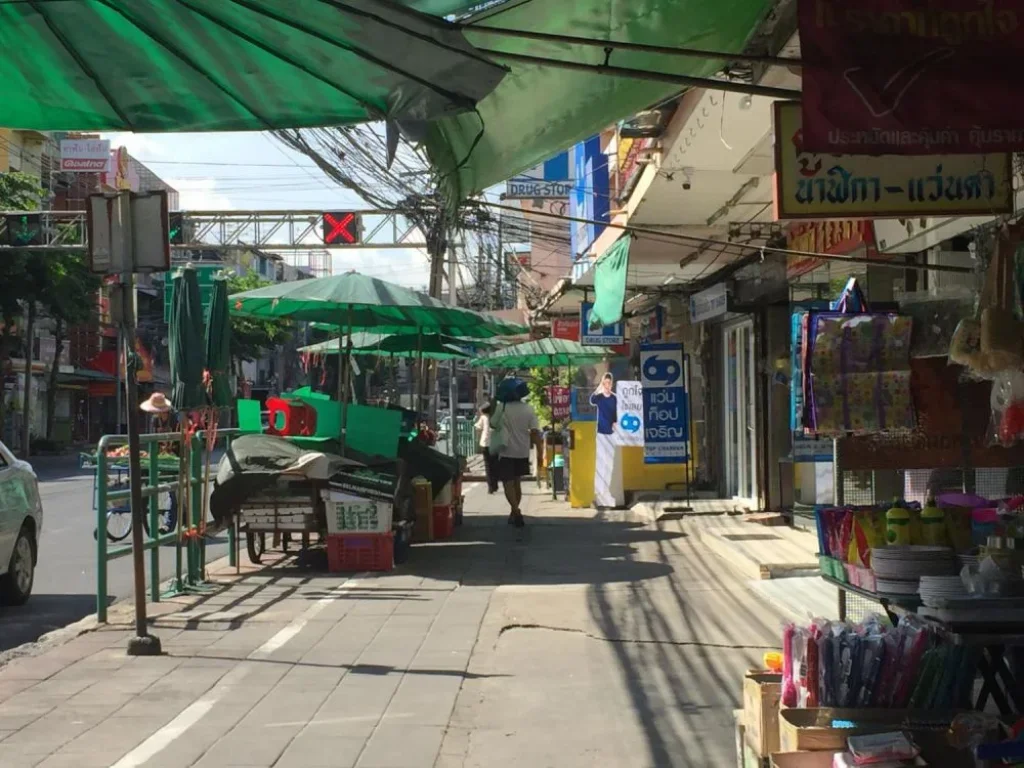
(65, 580)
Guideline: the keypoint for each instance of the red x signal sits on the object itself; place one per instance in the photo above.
(340, 227)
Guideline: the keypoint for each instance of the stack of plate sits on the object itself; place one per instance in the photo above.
(899, 569)
(936, 591)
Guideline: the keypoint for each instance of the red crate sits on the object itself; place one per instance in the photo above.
(360, 552)
(444, 525)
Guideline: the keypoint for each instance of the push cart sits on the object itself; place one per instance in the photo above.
(294, 510)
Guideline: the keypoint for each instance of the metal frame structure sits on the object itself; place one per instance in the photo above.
(271, 230)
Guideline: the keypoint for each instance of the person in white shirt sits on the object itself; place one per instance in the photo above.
(520, 431)
(483, 428)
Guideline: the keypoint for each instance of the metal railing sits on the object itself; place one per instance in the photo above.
(189, 552)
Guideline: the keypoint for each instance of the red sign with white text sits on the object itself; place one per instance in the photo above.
(565, 328)
(558, 399)
(905, 77)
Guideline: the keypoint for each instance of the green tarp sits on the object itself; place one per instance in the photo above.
(543, 353)
(537, 111)
(610, 284)
(220, 65)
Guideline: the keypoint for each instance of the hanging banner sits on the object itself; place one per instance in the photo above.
(904, 77)
(665, 408)
(608, 336)
(820, 186)
(629, 425)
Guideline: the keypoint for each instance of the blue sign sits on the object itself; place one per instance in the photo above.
(580, 408)
(666, 407)
(608, 336)
(553, 178)
(591, 194)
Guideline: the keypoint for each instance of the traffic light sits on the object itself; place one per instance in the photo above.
(24, 229)
(341, 228)
(176, 228)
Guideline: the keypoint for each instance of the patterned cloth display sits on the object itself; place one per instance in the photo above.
(859, 366)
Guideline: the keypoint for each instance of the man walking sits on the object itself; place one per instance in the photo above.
(515, 427)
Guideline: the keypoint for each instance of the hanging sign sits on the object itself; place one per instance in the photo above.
(608, 336)
(710, 303)
(629, 424)
(565, 328)
(558, 399)
(904, 77)
(85, 155)
(665, 409)
(809, 185)
(651, 324)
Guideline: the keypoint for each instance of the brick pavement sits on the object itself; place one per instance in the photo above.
(584, 639)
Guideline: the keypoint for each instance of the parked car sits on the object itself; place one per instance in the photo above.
(21, 522)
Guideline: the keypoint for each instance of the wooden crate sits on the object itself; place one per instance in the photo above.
(762, 693)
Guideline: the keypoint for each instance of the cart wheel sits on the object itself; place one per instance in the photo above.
(256, 543)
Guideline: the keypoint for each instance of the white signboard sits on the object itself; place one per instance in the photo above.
(85, 155)
(709, 303)
(129, 232)
(629, 406)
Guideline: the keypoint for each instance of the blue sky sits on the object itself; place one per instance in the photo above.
(253, 171)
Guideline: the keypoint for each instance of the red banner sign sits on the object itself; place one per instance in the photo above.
(558, 399)
(565, 328)
(836, 237)
(904, 77)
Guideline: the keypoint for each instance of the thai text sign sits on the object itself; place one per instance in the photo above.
(666, 419)
(558, 399)
(630, 412)
(565, 328)
(911, 78)
(85, 155)
(811, 185)
(838, 237)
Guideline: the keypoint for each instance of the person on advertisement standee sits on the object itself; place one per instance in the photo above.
(514, 430)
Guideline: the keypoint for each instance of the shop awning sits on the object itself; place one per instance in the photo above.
(540, 109)
(210, 65)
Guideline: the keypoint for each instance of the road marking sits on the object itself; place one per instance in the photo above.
(195, 711)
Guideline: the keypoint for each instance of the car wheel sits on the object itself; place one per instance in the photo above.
(16, 584)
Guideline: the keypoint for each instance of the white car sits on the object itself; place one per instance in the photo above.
(21, 522)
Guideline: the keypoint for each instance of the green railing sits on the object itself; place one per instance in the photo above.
(189, 554)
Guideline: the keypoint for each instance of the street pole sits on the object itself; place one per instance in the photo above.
(453, 385)
(143, 644)
(26, 405)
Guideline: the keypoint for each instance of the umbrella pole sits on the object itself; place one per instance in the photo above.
(345, 383)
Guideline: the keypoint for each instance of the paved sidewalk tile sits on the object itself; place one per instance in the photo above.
(584, 639)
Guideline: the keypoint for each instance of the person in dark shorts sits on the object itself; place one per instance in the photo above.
(520, 431)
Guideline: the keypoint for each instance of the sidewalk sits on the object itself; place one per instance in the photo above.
(585, 639)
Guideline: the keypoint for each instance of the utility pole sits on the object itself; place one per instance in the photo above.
(428, 370)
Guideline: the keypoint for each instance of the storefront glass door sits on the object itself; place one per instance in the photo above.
(740, 413)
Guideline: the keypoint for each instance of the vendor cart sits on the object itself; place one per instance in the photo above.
(294, 509)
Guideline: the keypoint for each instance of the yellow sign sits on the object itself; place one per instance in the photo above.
(814, 186)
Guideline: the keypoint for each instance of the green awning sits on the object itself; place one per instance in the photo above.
(610, 284)
(540, 110)
(543, 353)
(225, 65)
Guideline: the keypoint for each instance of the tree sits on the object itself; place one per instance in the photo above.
(18, 192)
(69, 300)
(252, 337)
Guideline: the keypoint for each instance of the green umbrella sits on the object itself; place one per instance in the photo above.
(410, 337)
(399, 345)
(186, 342)
(352, 301)
(215, 65)
(218, 345)
(545, 353)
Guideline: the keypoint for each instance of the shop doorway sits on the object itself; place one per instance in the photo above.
(741, 414)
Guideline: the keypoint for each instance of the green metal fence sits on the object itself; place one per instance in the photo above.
(189, 553)
(465, 438)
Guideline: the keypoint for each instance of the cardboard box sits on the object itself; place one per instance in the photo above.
(762, 692)
(812, 730)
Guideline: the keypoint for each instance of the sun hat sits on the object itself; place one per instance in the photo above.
(157, 403)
